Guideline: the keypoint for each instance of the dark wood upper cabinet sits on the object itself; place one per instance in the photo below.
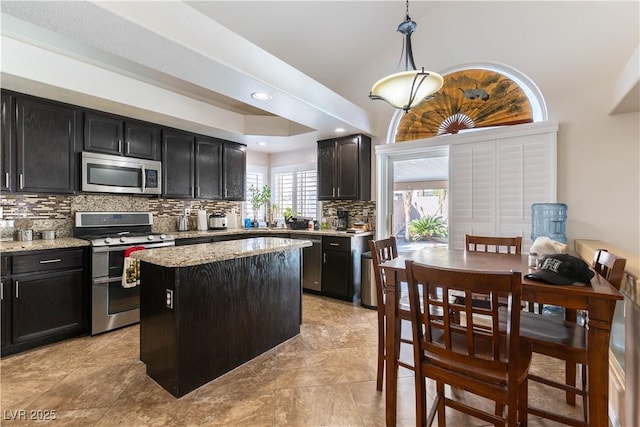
(234, 166)
(178, 164)
(344, 168)
(45, 144)
(208, 171)
(141, 140)
(201, 167)
(110, 134)
(7, 145)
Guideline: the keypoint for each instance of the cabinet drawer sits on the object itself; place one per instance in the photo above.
(338, 244)
(50, 260)
(5, 266)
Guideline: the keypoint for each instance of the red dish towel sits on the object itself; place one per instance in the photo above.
(131, 270)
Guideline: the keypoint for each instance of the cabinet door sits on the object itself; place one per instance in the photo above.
(234, 170)
(103, 133)
(5, 298)
(335, 274)
(178, 156)
(347, 168)
(45, 138)
(141, 140)
(46, 305)
(208, 168)
(326, 170)
(7, 145)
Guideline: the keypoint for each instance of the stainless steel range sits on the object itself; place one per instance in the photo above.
(111, 234)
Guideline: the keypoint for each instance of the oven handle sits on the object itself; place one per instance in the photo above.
(123, 247)
(105, 280)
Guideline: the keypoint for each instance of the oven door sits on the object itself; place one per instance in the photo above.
(113, 306)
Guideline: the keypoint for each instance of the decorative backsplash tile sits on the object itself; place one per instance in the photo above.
(356, 210)
(57, 212)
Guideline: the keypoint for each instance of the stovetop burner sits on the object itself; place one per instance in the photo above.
(118, 228)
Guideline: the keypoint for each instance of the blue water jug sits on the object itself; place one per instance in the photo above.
(549, 220)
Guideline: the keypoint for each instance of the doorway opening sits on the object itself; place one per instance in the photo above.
(420, 202)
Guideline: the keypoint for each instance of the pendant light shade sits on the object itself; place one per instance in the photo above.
(406, 89)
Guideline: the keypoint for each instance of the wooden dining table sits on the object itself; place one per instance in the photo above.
(598, 297)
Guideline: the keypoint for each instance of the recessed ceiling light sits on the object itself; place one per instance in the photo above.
(261, 96)
(339, 130)
(262, 143)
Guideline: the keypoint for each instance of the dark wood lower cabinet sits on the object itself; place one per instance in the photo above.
(47, 306)
(42, 304)
(341, 266)
(335, 275)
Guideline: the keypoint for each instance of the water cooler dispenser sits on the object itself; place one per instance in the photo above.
(549, 219)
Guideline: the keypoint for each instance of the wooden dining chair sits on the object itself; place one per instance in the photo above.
(384, 250)
(491, 244)
(566, 340)
(476, 355)
(510, 245)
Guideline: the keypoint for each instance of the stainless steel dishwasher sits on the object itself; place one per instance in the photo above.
(312, 266)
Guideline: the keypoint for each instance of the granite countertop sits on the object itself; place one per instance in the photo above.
(13, 246)
(205, 253)
(249, 231)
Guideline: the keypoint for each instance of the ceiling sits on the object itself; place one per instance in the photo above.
(300, 52)
(318, 59)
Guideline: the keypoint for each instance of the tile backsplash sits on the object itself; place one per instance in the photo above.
(57, 212)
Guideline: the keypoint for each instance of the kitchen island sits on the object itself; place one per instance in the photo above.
(206, 309)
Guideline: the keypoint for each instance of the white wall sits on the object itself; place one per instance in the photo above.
(299, 157)
(574, 52)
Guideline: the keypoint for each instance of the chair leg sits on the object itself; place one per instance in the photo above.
(585, 392)
(381, 353)
(441, 406)
(570, 374)
(421, 399)
(523, 399)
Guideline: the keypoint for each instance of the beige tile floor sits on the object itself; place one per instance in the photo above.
(323, 377)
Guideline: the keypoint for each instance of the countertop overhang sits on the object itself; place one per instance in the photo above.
(205, 253)
(261, 231)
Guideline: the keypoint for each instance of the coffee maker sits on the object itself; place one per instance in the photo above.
(343, 220)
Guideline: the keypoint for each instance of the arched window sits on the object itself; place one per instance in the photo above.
(474, 96)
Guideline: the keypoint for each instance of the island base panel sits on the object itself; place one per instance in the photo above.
(224, 314)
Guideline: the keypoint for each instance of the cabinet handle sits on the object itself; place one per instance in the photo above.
(21, 180)
(324, 257)
(226, 193)
(128, 150)
(333, 192)
(1, 291)
(334, 244)
(17, 289)
(50, 261)
(6, 179)
(198, 191)
(120, 146)
(338, 192)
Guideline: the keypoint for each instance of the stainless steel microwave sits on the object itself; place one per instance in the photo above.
(106, 173)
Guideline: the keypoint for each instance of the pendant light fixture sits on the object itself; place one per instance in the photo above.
(406, 89)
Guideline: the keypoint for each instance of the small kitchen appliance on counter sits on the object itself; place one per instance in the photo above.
(343, 220)
(183, 222)
(201, 222)
(217, 222)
